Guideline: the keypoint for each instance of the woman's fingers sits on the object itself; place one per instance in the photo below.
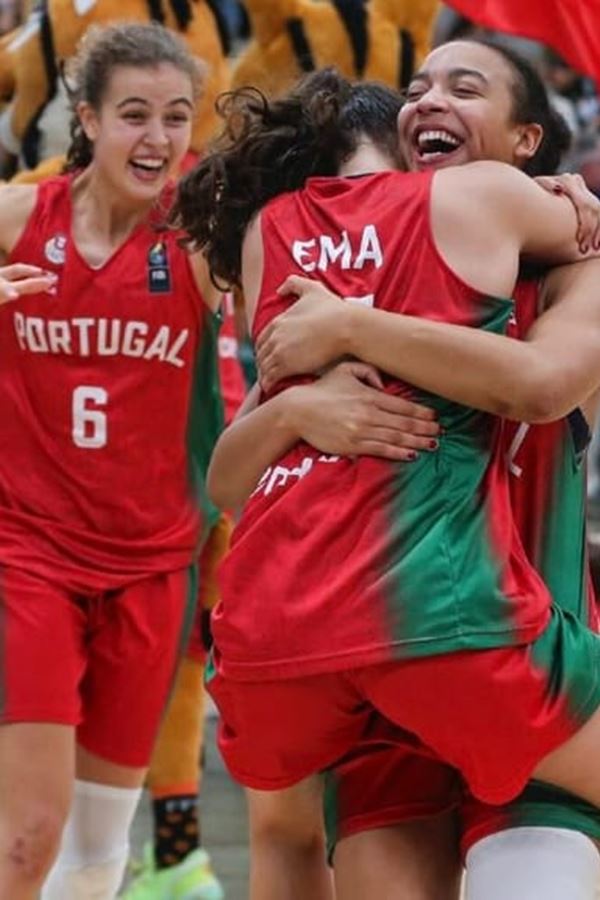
(399, 437)
(408, 408)
(20, 270)
(18, 285)
(386, 451)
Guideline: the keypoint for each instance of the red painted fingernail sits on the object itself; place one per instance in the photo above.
(433, 445)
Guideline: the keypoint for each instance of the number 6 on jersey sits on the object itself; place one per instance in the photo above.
(89, 423)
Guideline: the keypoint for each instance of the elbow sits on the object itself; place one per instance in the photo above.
(545, 409)
(534, 403)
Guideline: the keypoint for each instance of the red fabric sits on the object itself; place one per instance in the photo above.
(111, 358)
(188, 162)
(571, 27)
(387, 779)
(531, 453)
(273, 734)
(321, 528)
(104, 664)
(233, 385)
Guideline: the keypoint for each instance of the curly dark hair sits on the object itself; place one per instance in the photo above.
(269, 147)
(141, 45)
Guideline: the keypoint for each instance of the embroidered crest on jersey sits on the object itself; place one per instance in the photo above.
(55, 249)
(159, 273)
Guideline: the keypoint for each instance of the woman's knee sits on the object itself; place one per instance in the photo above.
(280, 818)
(32, 841)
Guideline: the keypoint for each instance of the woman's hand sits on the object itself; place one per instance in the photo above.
(347, 413)
(587, 206)
(305, 338)
(19, 279)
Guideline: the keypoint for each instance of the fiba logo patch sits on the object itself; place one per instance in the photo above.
(159, 273)
(56, 249)
(157, 255)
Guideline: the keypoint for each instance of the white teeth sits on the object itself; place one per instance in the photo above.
(445, 136)
(149, 163)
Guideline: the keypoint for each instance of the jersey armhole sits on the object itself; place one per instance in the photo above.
(252, 309)
(32, 223)
(196, 290)
(202, 307)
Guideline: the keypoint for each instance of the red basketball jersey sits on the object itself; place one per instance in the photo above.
(233, 385)
(547, 467)
(104, 384)
(340, 562)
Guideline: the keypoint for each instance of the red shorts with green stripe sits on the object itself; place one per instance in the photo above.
(541, 805)
(382, 780)
(493, 715)
(389, 780)
(102, 663)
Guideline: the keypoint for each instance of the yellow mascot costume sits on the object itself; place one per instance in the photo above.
(30, 82)
(366, 39)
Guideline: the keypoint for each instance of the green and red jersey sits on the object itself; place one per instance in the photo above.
(345, 562)
(547, 473)
(548, 490)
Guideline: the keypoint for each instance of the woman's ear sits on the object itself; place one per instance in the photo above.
(529, 138)
(89, 120)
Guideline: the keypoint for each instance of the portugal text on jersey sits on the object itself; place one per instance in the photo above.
(100, 337)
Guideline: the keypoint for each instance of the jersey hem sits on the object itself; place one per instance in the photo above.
(397, 650)
(35, 717)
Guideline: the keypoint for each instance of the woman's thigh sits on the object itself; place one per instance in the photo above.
(417, 860)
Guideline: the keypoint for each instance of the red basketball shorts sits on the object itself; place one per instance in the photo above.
(103, 664)
(492, 715)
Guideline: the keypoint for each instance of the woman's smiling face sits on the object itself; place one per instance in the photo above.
(460, 108)
(142, 130)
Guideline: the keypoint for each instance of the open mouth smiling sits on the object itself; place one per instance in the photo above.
(148, 167)
(432, 143)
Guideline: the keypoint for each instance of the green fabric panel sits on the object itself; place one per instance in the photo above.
(563, 552)
(441, 551)
(206, 418)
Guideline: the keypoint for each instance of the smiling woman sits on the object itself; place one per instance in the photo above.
(101, 541)
(479, 100)
(134, 107)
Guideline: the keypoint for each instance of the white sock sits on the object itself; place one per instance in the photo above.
(95, 844)
(533, 864)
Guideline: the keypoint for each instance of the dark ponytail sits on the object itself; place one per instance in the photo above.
(269, 147)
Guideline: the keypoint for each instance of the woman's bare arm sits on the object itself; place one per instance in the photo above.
(536, 380)
(345, 413)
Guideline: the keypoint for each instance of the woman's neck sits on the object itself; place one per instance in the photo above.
(111, 216)
(366, 159)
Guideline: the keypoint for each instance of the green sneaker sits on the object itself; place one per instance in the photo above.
(191, 879)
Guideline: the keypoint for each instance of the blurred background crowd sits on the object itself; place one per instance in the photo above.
(574, 94)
